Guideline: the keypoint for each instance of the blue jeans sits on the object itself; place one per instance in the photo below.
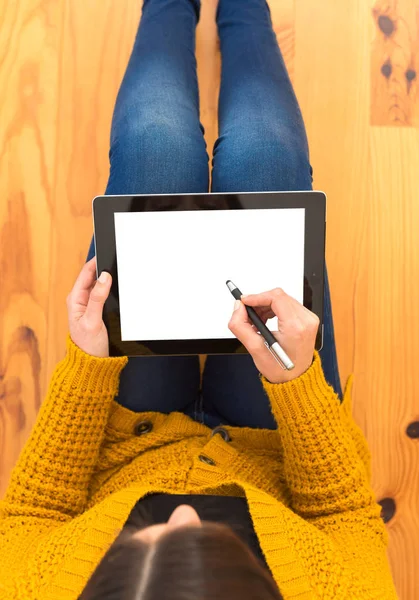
(158, 147)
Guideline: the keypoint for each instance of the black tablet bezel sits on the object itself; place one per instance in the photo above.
(104, 208)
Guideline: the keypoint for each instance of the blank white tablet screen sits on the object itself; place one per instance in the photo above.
(173, 267)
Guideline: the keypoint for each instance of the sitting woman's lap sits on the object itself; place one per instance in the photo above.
(231, 390)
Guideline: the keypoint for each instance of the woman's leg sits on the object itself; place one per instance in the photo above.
(262, 147)
(157, 146)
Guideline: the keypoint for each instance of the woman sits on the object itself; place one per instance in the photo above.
(137, 484)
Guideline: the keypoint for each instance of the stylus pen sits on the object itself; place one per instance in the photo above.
(270, 342)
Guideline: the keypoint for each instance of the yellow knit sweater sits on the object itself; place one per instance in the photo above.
(307, 485)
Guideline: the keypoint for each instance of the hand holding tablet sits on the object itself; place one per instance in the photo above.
(85, 305)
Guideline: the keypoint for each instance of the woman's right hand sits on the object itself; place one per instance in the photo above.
(297, 330)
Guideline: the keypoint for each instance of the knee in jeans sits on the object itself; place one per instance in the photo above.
(149, 133)
(162, 145)
(273, 156)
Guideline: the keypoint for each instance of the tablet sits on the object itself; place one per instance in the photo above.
(170, 257)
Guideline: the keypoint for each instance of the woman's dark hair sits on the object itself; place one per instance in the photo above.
(187, 563)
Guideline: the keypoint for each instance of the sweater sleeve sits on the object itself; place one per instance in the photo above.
(52, 475)
(327, 467)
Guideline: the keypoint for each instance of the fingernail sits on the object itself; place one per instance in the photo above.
(244, 295)
(236, 304)
(104, 276)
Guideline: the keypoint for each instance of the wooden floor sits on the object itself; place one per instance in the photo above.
(354, 65)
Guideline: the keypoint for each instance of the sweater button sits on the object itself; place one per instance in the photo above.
(143, 427)
(207, 460)
(223, 432)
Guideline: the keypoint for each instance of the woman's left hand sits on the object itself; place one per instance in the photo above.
(85, 309)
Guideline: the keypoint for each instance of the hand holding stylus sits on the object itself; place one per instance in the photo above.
(297, 330)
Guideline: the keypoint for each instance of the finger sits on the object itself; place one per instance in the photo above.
(300, 312)
(79, 295)
(278, 301)
(242, 327)
(97, 299)
(264, 313)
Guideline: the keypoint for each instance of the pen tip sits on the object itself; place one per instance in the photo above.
(230, 285)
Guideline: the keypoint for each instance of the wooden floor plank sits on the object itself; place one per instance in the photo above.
(387, 387)
(395, 63)
(29, 56)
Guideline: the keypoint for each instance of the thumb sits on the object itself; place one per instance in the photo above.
(243, 329)
(97, 299)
